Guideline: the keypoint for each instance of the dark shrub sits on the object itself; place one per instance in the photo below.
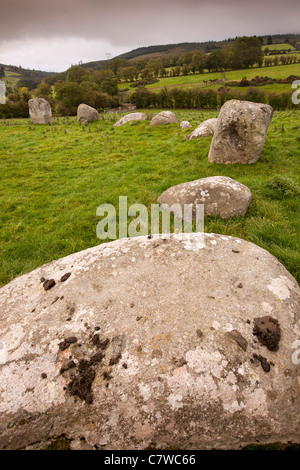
(19, 109)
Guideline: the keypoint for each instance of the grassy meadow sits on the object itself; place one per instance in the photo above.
(197, 79)
(278, 47)
(53, 178)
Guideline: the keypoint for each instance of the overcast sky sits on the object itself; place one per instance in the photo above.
(53, 34)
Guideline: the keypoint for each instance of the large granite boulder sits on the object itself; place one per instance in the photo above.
(221, 196)
(86, 113)
(164, 117)
(152, 342)
(40, 111)
(131, 117)
(240, 132)
(205, 129)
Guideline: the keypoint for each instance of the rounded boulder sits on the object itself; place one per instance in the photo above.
(86, 113)
(222, 196)
(157, 342)
(205, 129)
(164, 117)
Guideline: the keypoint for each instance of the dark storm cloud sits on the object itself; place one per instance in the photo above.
(141, 20)
(52, 34)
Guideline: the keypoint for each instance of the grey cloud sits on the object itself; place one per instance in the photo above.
(120, 25)
(125, 20)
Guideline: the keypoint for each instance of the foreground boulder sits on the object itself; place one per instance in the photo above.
(151, 342)
(131, 117)
(164, 117)
(40, 111)
(240, 132)
(86, 113)
(221, 196)
(205, 129)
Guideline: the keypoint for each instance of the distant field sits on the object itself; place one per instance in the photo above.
(278, 47)
(11, 78)
(53, 178)
(273, 88)
(279, 71)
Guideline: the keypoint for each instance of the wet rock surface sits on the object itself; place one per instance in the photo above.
(159, 350)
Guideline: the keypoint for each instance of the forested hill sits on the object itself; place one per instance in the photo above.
(180, 48)
(18, 76)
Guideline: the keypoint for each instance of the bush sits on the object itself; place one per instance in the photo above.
(18, 109)
(206, 99)
(63, 110)
(244, 82)
(143, 98)
(255, 95)
(149, 81)
(280, 101)
(226, 94)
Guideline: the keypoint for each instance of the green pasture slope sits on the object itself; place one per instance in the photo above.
(197, 79)
(11, 78)
(278, 47)
(54, 177)
(278, 71)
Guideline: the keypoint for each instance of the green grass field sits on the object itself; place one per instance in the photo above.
(196, 80)
(279, 71)
(11, 78)
(278, 47)
(53, 178)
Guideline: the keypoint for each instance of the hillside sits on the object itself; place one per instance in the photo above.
(32, 78)
(24, 77)
(163, 50)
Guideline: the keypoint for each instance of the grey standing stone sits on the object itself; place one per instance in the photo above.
(86, 113)
(40, 111)
(240, 132)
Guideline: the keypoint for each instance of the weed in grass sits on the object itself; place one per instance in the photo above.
(282, 187)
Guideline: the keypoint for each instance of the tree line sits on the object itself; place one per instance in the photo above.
(198, 98)
(99, 88)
